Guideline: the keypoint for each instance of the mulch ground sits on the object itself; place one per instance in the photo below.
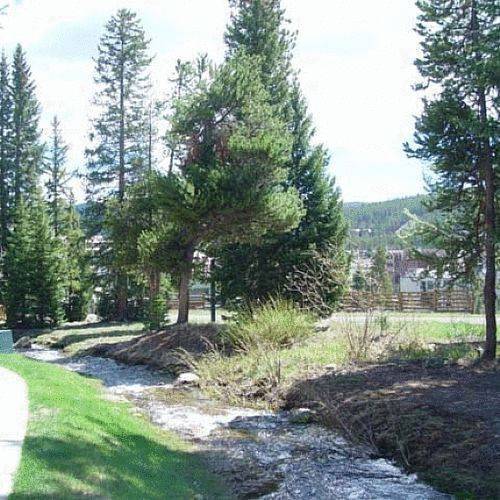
(443, 423)
(162, 349)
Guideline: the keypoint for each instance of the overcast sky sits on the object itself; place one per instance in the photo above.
(355, 58)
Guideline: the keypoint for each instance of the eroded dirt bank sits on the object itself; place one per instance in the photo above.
(443, 422)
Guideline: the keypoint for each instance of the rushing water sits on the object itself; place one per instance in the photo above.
(260, 454)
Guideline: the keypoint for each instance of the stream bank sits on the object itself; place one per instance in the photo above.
(260, 454)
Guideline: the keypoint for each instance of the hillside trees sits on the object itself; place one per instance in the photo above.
(457, 134)
(258, 270)
(118, 152)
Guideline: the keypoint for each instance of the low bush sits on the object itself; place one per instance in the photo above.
(275, 324)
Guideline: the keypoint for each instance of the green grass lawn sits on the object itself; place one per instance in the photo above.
(81, 444)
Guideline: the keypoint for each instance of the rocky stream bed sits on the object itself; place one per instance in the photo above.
(258, 454)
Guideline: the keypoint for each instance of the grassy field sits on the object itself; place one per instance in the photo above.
(81, 445)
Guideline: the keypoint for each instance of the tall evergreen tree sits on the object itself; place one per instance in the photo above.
(19, 269)
(58, 176)
(6, 164)
(118, 153)
(33, 268)
(27, 150)
(457, 134)
(259, 28)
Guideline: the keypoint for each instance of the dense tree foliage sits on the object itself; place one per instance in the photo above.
(33, 266)
(257, 271)
(27, 148)
(6, 156)
(457, 134)
(42, 247)
(228, 184)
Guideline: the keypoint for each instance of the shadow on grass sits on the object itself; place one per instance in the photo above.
(119, 465)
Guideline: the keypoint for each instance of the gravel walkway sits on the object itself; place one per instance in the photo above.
(13, 421)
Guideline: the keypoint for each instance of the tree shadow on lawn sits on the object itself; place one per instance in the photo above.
(441, 422)
(118, 465)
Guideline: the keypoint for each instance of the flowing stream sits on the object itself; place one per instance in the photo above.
(259, 454)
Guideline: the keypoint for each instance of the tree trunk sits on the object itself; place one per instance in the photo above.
(488, 174)
(185, 279)
(490, 277)
(121, 297)
(154, 284)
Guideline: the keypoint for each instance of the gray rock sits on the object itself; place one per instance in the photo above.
(187, 378)
(23, 343)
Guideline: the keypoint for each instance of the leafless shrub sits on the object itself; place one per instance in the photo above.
(318, 284)
(371, 335)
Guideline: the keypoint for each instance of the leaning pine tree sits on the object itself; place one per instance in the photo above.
(457, 134)
(118, 153)
(259, 270)
(227, 184)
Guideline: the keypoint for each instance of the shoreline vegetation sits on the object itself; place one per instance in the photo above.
(409, 388)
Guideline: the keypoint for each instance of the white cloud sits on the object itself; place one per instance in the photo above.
(355, 56)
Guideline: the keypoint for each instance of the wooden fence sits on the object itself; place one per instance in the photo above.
(437, 301)
(195, 302)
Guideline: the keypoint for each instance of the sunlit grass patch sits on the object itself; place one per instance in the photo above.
(81, 444)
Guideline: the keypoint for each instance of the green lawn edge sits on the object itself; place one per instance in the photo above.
(79, 443)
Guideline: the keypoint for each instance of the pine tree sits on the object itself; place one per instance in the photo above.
(76, 267)
(359, 282)
(257, 271)
(33, 265)
(58, 176)
(27, 150)
(457, 134)
(118, 154)
(47, 286)
(6, 172)
(227, 186)
(19, 270)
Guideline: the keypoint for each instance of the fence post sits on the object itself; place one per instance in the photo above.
(435, 305)
(400, 300)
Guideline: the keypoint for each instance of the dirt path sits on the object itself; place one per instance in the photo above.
(13, 422)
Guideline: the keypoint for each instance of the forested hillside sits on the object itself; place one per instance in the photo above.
(376, 224)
